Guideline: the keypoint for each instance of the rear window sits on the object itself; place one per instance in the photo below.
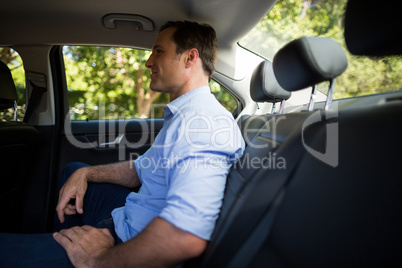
(291, 19)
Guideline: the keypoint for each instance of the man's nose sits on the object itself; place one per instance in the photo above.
(149, 63)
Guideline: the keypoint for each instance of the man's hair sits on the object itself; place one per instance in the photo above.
(190, 35)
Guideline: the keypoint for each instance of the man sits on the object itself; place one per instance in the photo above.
(182, 176)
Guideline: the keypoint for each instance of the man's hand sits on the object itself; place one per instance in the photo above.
(84, 245)
(74, 188)
(160, 244)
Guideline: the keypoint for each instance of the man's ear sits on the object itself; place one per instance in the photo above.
(192, 57)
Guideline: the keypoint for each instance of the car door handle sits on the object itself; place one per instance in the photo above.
(116, 141)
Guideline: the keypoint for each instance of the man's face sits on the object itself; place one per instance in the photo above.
(165, 64)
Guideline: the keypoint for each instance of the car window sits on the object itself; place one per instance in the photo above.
(14, 63)
(223, 96)
(291, 19)
(113, 83)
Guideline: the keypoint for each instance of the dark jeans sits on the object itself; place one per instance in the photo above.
(41, 250)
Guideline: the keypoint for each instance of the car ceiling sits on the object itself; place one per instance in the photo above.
(27, 22)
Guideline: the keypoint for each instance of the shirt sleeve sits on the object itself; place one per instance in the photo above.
(195, 195)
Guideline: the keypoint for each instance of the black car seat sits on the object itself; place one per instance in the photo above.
(17, 141)
(347, 214)
(256, 184)
(263, 88)
(350, 215)
(343, 214)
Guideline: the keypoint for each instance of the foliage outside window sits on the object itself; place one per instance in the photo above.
(113, 83)
(291, 19)
(227, 100)
(14, 63)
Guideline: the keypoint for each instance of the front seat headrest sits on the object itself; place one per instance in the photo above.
(373, 28)
(264, 87)
(8, 92)
(308, 61)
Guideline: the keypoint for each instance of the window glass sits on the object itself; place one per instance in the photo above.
(113, 83)
(291, 19)
(109, 83)
(14, 63)
(223, 96)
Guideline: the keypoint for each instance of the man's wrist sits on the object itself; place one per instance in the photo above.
(86, 173)
(102, 260)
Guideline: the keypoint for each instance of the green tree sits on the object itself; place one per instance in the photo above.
(115, 79)
(112, 83)
(291, 19)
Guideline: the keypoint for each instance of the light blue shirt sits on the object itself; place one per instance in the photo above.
(183, 174)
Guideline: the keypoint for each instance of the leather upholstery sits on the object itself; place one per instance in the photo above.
(308, 61)
(348, 215)
(264, 87)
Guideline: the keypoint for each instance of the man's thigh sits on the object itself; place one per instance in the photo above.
(31, 250)
(99, 201)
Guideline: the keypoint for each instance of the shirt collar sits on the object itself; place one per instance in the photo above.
(175, 105)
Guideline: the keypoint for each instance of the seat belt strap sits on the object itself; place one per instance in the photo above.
(34, 101)
(257, 237)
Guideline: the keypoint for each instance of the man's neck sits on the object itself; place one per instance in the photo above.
(174, 95)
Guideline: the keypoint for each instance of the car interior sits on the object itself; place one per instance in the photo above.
(323, 189)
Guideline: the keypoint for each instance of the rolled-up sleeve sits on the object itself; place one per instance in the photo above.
(196, 190)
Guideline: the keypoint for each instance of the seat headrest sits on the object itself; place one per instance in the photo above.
(373, 28)
(308, 61)
(264, 87)
(8, 92)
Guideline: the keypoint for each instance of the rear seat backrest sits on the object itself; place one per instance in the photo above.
(349, 216)
(256, 181)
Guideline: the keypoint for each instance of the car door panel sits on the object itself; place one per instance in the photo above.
(106, 141)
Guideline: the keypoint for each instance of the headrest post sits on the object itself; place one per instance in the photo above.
(282, 107)
(330, 93)
(273, 107)
(312, 99)
(15, 111)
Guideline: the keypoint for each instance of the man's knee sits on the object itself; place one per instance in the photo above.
(70, 169)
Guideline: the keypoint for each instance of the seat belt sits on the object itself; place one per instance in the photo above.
(256, 239)
(34, 101)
